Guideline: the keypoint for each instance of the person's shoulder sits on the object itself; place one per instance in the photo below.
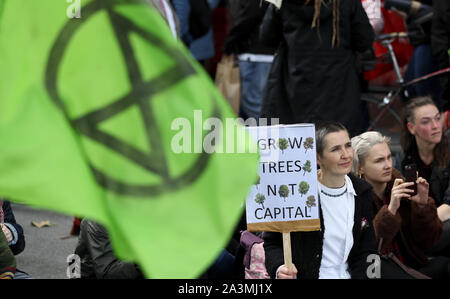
(360, 185)
(92, 227)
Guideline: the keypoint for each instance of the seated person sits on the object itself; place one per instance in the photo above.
(405, 224)
(13, 232)
(443, 246)
(342, 247)
(426, 145)
(97, 256)
(7, 260)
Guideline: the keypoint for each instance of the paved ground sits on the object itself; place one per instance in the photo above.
(45, 252)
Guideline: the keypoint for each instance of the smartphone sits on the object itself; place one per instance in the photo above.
(411, 176)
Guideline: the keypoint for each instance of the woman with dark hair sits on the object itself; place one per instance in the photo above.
(426, 148)
(314, 76)
(426, 145)
(346, 239)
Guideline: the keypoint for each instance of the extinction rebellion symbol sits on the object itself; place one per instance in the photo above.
(155, 160)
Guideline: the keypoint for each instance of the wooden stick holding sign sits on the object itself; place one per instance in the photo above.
(284, 197)
(287, 250)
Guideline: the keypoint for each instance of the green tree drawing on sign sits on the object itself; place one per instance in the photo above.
(303, 188)
(283, 191)
(307, 167)
(258, 181)
(282, 144)
(260, 198)
(311, 202)
(308, 144)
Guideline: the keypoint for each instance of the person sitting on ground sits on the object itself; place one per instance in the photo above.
(346, 239)
(426, 146)
(11, 229)
(405, 224)
(98, 260)
(7, 260)
(14, 234)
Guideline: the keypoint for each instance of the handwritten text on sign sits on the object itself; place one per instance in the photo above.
(285, 196)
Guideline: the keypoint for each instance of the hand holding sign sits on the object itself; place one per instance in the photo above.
(285, 273)
(284, 199)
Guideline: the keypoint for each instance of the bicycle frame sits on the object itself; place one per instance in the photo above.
(388, 100)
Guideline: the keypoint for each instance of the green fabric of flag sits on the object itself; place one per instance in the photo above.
(86, 113)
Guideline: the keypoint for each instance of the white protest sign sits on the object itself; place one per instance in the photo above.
(285, 197)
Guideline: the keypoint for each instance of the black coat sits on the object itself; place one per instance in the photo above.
(440, 42)
(439, 179)
(307, 246)
(310, 80)
(243, 36)
(19, 246)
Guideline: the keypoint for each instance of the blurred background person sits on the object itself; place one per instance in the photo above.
(255, 59)
(440, 44)
(314, 76)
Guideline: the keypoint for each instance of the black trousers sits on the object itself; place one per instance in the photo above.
(442, 248)
(437, 268)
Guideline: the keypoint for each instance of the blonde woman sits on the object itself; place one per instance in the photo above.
(406, 224)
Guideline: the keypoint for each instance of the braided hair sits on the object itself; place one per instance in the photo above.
(316, 20)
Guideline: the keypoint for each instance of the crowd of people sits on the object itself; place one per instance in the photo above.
(299, 63)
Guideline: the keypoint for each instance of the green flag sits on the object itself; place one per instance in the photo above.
(87, 113)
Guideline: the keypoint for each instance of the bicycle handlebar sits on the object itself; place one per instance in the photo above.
(393, 35)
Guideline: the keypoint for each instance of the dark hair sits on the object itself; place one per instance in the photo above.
(441, 154)
(323, 129)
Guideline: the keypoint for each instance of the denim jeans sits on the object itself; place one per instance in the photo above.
(422, 63)
(253, 81)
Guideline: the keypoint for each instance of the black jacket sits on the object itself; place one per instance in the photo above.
(419, 34)
(440, 43)
(243, 36)
(310, 80)
(307, 246)
(439, 179)
(19, 246)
